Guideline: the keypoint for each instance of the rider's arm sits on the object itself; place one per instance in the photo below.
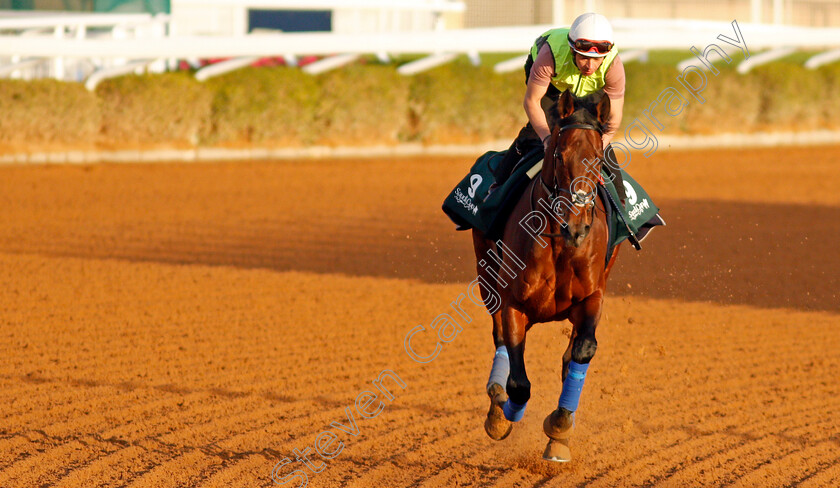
(614, 88)
(533, 95)
(614, 120)
(540, 77)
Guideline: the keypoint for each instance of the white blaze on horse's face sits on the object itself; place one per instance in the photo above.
(583, 187)
(576, 171)
(582, 198)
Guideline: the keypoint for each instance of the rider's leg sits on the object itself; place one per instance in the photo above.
(617, 179)
(525, 141)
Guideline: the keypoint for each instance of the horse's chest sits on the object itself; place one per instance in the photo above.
(570, 286)
(551, 291)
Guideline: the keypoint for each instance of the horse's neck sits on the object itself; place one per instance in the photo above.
(546, 184)
(541, 201)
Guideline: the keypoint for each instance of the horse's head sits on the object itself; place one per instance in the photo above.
(573, 161)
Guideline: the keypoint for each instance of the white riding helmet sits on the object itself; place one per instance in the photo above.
(591, 35)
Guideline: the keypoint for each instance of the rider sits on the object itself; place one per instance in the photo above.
(582, 59)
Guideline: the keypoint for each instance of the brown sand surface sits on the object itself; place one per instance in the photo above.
(195, 324)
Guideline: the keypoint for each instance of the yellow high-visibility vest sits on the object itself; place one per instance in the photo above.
(567, 75)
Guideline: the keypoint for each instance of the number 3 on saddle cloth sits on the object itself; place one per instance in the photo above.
(469, 205)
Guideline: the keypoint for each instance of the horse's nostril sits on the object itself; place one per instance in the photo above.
(586, 229)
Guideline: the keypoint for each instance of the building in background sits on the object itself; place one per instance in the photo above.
(235, 16)
(813, 13)
(125, 6)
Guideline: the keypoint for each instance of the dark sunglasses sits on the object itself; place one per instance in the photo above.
(586, 46)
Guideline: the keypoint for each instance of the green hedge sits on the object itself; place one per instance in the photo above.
(372, 104)
(828, 96)
(47, 113)
(734, 103)
(361, 105)
(463, 103)
(164, 109)
(262, 105)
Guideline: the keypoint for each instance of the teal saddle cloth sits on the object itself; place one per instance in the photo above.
(469, 206)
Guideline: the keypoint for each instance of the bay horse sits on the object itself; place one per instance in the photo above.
(563, 270)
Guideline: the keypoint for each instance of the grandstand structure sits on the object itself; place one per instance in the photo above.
(91, 40)
(808, 13)
(478, 13)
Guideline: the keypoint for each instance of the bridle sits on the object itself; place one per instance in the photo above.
(579, 198)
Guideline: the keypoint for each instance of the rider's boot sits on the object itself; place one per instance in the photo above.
(617, 179)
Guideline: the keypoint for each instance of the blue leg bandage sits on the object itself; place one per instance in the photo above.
(514, 411)
(572, 387)
(501, 368)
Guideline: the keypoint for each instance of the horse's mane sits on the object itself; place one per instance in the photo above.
(585, 110)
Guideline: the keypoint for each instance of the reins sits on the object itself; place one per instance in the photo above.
(554, 193)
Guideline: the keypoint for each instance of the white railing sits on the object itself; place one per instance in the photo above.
(190, 18)
(20, 20)
(638, 35)
(18, 28)
(502, 39)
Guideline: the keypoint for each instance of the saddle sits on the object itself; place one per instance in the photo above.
(469, 206)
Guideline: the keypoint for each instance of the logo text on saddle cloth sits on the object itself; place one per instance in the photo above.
(632, 199)
(465, 200)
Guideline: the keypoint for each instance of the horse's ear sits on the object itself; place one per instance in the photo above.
(565, 105)
(603, 109)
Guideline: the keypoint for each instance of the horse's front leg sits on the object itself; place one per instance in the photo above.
(496, 425)
(508, 405)
(558, 426)
(515, 325)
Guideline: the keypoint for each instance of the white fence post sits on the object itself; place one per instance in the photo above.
(823, 58)
(58, 61)
(223, 67)
(558, 12)
(755, 9)
(512, 64)
(426, 63)
(778, 11)
(756, 60)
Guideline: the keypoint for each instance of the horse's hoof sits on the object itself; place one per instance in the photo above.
(557, 451)
(496, 425)
(559, 425)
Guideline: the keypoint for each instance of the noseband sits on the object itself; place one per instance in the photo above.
(577, 198)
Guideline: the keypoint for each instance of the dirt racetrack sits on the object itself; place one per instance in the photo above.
(174, 325)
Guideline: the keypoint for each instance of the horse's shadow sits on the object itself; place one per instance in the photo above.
(766, 255)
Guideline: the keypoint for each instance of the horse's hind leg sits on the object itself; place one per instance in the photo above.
(558, 426)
